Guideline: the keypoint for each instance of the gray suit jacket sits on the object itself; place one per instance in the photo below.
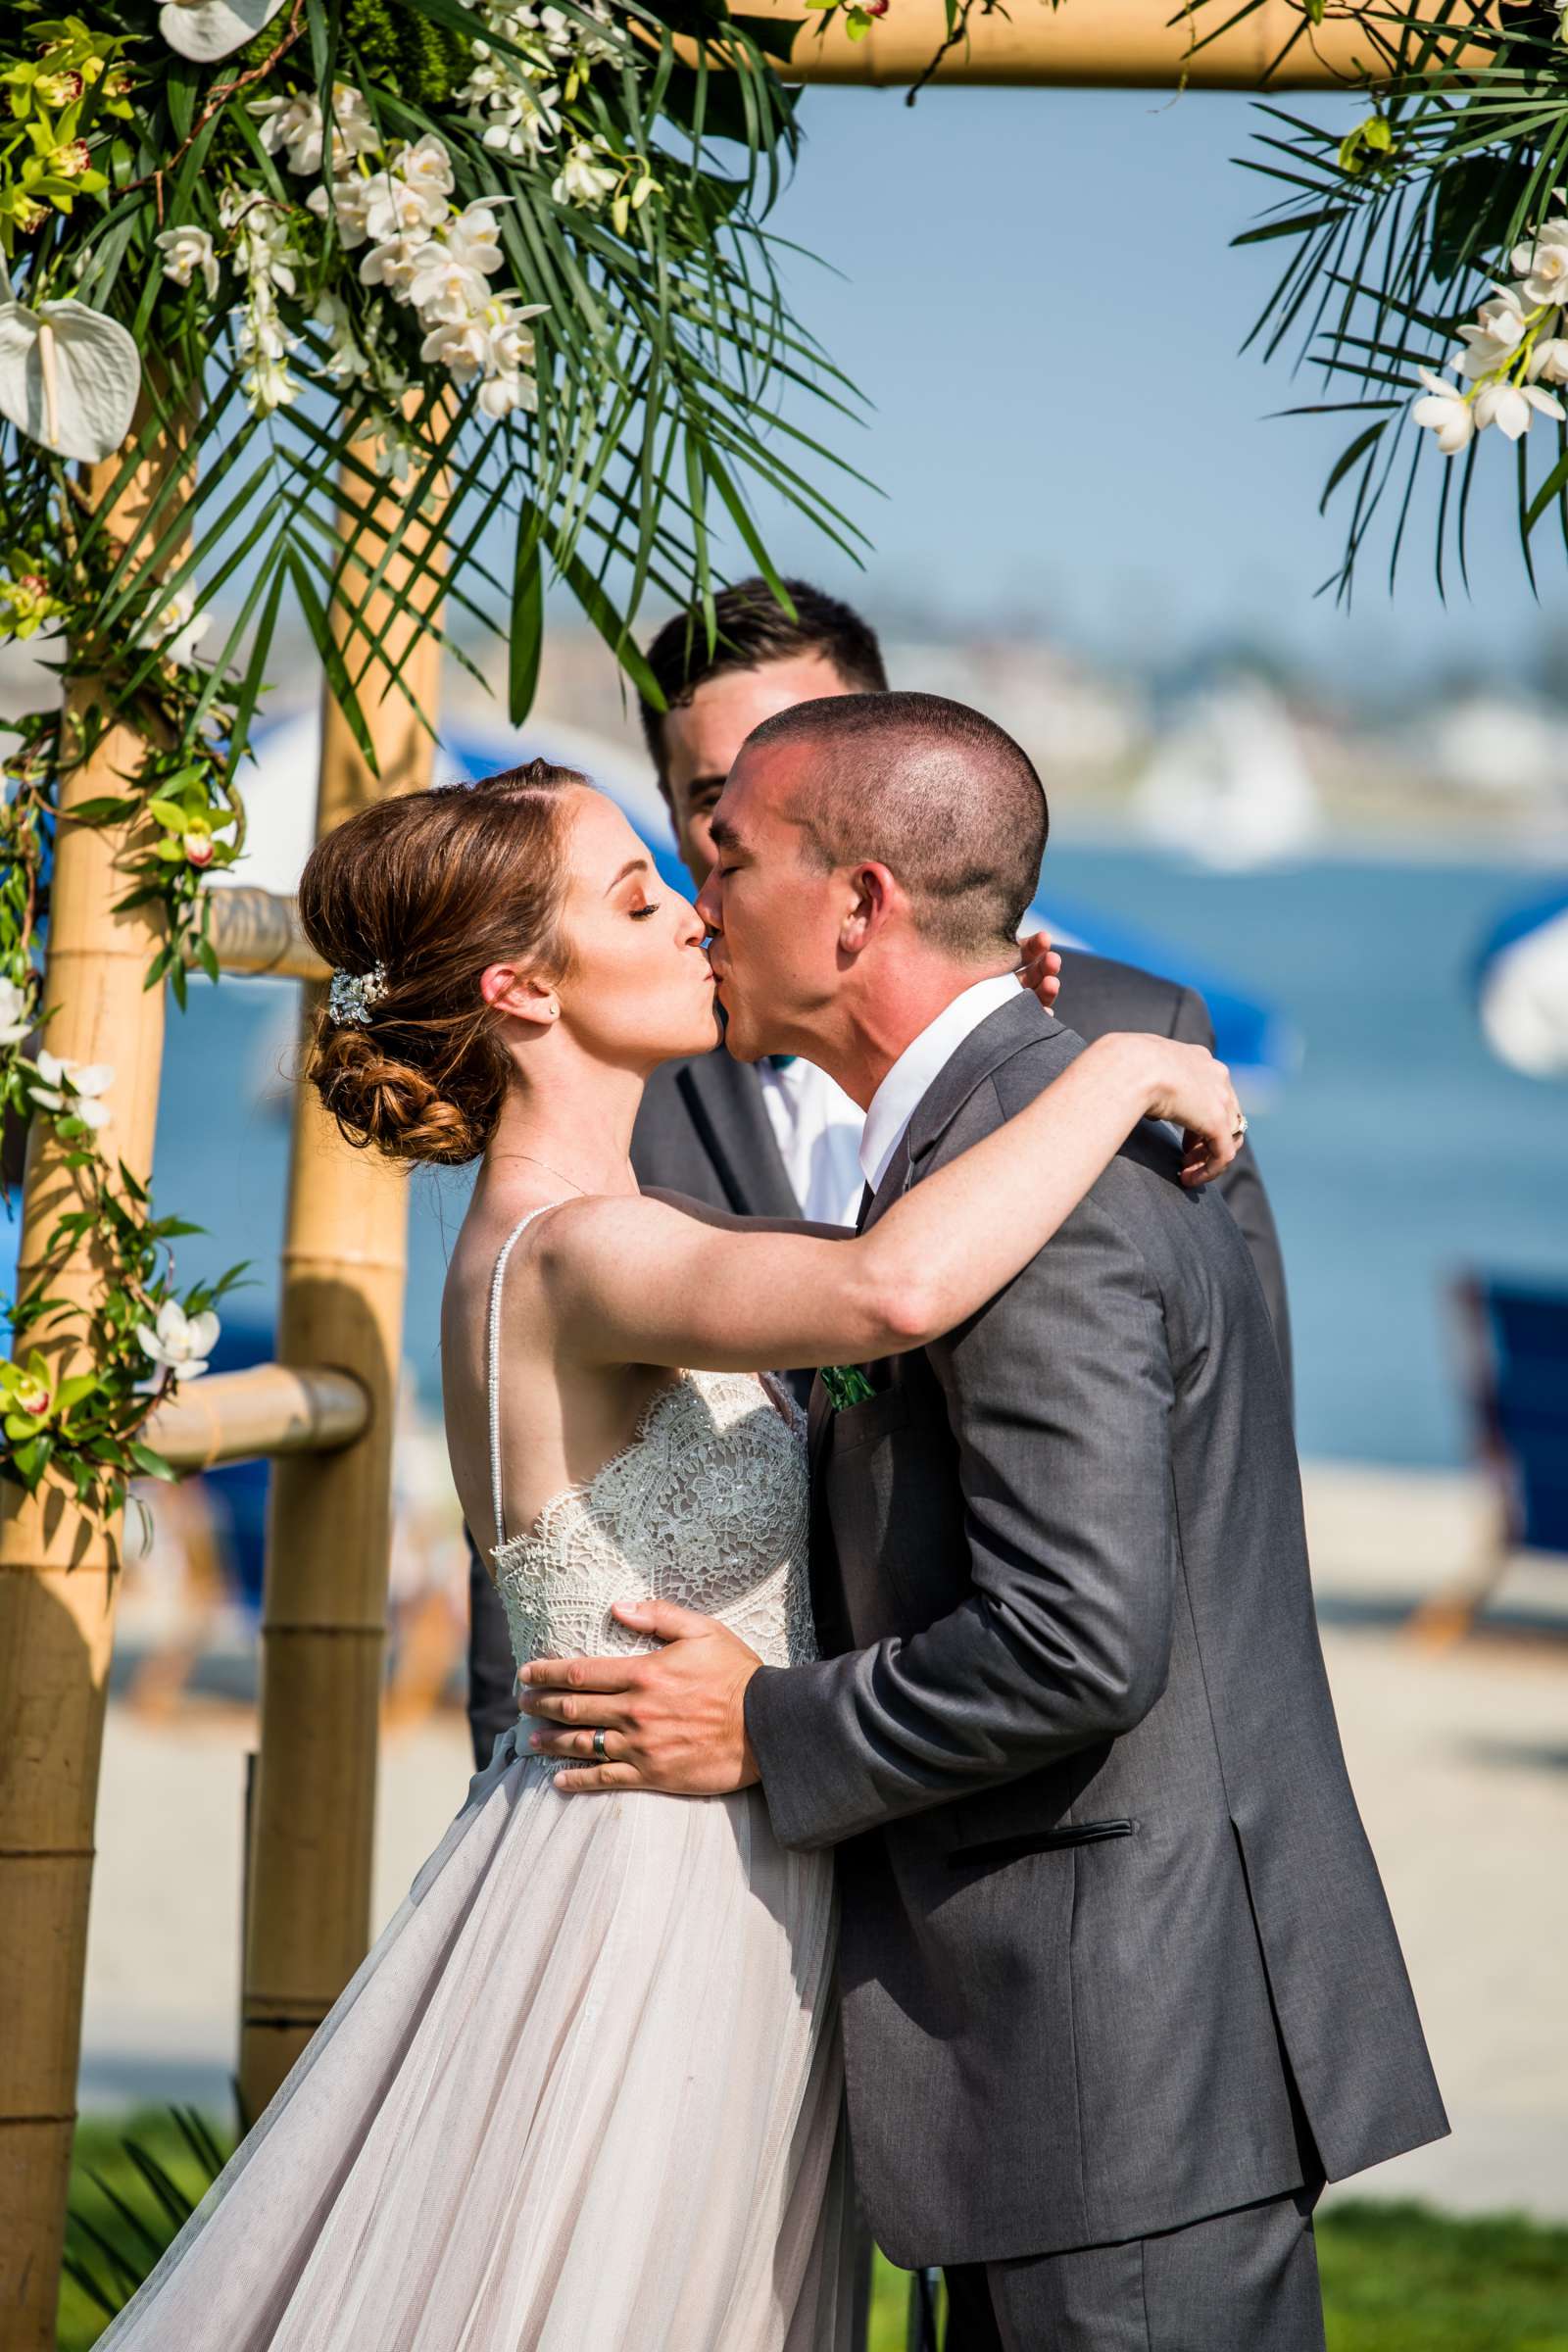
(1115, 1955)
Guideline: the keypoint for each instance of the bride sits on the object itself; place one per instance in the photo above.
(583, 2095)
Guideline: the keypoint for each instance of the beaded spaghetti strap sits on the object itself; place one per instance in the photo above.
(492, 1375)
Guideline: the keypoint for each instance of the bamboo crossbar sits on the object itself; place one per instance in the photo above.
(259, 932)
(1097, 44)
(266, 1410)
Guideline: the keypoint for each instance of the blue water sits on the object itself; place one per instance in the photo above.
(1399, 1155)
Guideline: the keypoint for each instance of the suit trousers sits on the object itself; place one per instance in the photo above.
(1241, 2281)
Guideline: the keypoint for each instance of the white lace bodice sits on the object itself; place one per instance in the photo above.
(706, 1505)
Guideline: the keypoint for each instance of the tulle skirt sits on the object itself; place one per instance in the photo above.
(583, 2097)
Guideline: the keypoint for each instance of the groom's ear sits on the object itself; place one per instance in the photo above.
(872, 899)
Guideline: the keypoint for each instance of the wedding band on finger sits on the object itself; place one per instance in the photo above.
(599, 1745)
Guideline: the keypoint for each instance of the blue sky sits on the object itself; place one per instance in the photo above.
(1039, 300)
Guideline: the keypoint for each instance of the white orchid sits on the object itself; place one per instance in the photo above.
(1548, 361)
(525, 120)
(499, 395)
(295, 124)
(205, 29)
(462, 346)
(177, 628)
(395, 206)
(186, 251)
(443, 291)
(349, 362)
(1447, 414)
(15, 1018)
(394, 265)
(69, 377)
(426, 168)
(583, 179)
(473, 237)
(1508, 407)
(1541, 267)
(349, 205)
(354, 127)
(183, 1343)
(73, 1088)
(1498, 331)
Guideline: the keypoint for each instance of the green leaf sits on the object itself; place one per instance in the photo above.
(151, 1464)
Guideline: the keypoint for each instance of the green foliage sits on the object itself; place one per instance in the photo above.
(1396, 232)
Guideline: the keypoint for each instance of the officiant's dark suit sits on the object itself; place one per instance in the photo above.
(704, 1130)
(1115, 1958)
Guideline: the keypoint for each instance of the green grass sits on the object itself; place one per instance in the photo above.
(1395, 2278)
(1399, 2279)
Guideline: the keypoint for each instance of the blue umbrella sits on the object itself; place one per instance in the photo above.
(1521, 983)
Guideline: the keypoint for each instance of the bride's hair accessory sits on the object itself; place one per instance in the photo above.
(352, 995)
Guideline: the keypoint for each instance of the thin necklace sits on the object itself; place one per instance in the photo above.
(534, 1160)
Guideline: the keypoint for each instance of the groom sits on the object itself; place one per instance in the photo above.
(1120, 1987)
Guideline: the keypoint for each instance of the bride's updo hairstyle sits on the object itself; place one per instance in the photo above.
(412, 899)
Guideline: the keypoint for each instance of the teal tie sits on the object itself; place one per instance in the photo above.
(781, 1061)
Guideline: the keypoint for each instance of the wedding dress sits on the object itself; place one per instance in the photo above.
(584, 2094)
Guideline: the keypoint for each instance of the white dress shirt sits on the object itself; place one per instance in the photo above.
(898, 1098)
(817, 1130)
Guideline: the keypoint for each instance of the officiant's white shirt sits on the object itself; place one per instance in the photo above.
(898, 1098)
(817, 1130)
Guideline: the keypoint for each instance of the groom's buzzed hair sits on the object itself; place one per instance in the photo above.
(934, 791)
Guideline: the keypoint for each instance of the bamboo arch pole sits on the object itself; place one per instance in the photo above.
(57, 1566)
(307, 1907)
(1105, 44)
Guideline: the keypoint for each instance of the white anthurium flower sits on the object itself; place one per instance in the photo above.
(186, 251)
(1447, 412)
(183, 1343)
(1543, 266)
(205, 29)
(394, 265)
(583, 179)
(1548, 362)
(69, 377)
(13, 1017)
(74, 1087)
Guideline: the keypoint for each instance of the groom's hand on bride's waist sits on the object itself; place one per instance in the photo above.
(671, 1719)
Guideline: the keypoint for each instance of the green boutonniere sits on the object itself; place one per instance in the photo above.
(846, 1385)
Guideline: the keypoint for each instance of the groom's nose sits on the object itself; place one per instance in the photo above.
(708, 902)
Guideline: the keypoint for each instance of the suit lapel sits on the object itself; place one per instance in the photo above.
(724, 1097)
(1001, 1036)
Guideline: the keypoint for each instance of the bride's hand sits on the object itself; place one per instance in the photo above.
(1040, 968)
(1193, 1092)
